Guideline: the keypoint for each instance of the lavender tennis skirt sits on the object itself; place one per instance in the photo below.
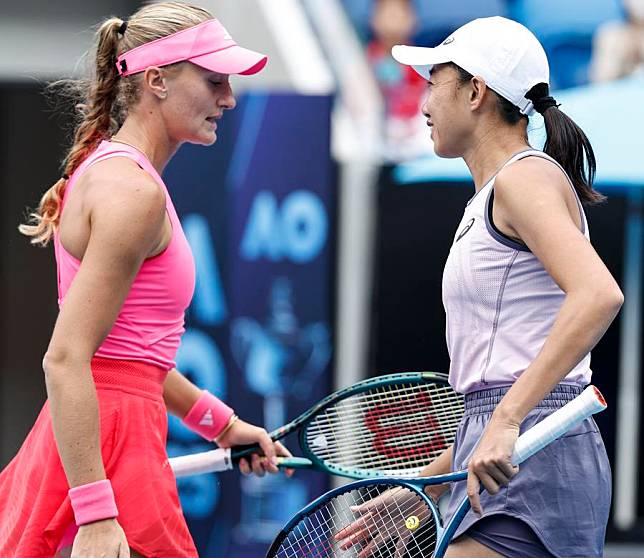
(561, 494)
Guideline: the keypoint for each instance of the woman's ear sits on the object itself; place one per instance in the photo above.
(478, 92)
(154, 80)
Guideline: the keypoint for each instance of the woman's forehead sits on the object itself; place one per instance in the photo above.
(218, 75)
(210, 74)
(437, 70)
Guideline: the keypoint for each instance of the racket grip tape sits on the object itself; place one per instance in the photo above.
(294, 463)
(214, 461)
(558, 423)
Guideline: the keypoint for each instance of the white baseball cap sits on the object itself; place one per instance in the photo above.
(503, 52)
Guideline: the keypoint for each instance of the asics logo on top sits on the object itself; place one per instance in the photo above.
(448, 40)
(465, 230)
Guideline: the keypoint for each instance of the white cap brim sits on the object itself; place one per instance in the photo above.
(422, 59)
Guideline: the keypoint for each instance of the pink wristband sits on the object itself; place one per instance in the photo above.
(208, 416)
(93, 502)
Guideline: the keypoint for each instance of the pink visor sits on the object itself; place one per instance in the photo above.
(208, 45)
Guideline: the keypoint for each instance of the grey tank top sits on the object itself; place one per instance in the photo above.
(499, 300)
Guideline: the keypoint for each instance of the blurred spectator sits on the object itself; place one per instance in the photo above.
(394, 22)
(618, 48)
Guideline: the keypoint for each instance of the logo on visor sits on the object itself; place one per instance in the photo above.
(448, 40)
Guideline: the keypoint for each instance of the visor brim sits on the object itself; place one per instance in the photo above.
(422, 59)
(232, 60)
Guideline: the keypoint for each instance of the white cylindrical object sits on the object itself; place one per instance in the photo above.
(558, 423)
(213, 461)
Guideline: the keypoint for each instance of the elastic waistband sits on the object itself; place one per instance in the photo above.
(486, 400)
(130, 376)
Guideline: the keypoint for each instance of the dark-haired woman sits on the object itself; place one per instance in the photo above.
(526, 298)
(92, 478)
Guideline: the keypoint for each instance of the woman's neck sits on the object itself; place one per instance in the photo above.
(490, 152)
(149, 138)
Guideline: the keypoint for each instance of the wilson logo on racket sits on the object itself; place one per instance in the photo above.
(418, 423)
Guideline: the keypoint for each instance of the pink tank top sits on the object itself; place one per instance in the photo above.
(151, 321)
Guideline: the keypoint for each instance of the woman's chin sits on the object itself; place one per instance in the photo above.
(204, 139)
(444, 153)
(438, 151)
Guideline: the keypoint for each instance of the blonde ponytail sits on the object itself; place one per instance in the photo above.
(106, 98)
(96, 125)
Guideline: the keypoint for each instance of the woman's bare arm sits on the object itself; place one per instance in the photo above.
(538, 214)
(126, 219)
(179, 393)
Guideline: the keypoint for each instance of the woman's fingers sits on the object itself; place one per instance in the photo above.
(268, 448)
(500, 471)
(492, 474)
(282, 451)
(506, 467)
(473, 490)
(488, 482)
(355, 531)
(500, 475)
(401, 546)
(244, 467)
(360, 536)
(376, 543)
(262, 462)
(257, 464)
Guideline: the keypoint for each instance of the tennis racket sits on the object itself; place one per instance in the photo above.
(393, 517)
(389, 425)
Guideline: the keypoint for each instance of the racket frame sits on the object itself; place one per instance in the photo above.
(551, 428)
(416, 486)
(417, 378)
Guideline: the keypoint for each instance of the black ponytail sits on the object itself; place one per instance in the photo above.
(567, 144)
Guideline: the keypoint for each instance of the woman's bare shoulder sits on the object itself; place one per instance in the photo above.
(117, 178)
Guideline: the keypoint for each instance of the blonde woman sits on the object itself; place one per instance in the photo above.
(92, 477)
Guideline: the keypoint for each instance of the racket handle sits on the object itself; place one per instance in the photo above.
(205, 462)
(294, 463)
(558, 423)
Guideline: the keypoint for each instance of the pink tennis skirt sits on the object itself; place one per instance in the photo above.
(36, 517)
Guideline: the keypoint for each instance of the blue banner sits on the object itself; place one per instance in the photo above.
(258, 209)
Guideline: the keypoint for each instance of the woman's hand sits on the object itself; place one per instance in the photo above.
(101, 539)
(367, 530)
(491, 462)
(240, 434)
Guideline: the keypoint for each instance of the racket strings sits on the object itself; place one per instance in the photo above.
(409, 448)
(446, 410)
(403, 525)
(445, 406)
(417, 398)
(399, 427)
(402, 391)
(382, 530)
